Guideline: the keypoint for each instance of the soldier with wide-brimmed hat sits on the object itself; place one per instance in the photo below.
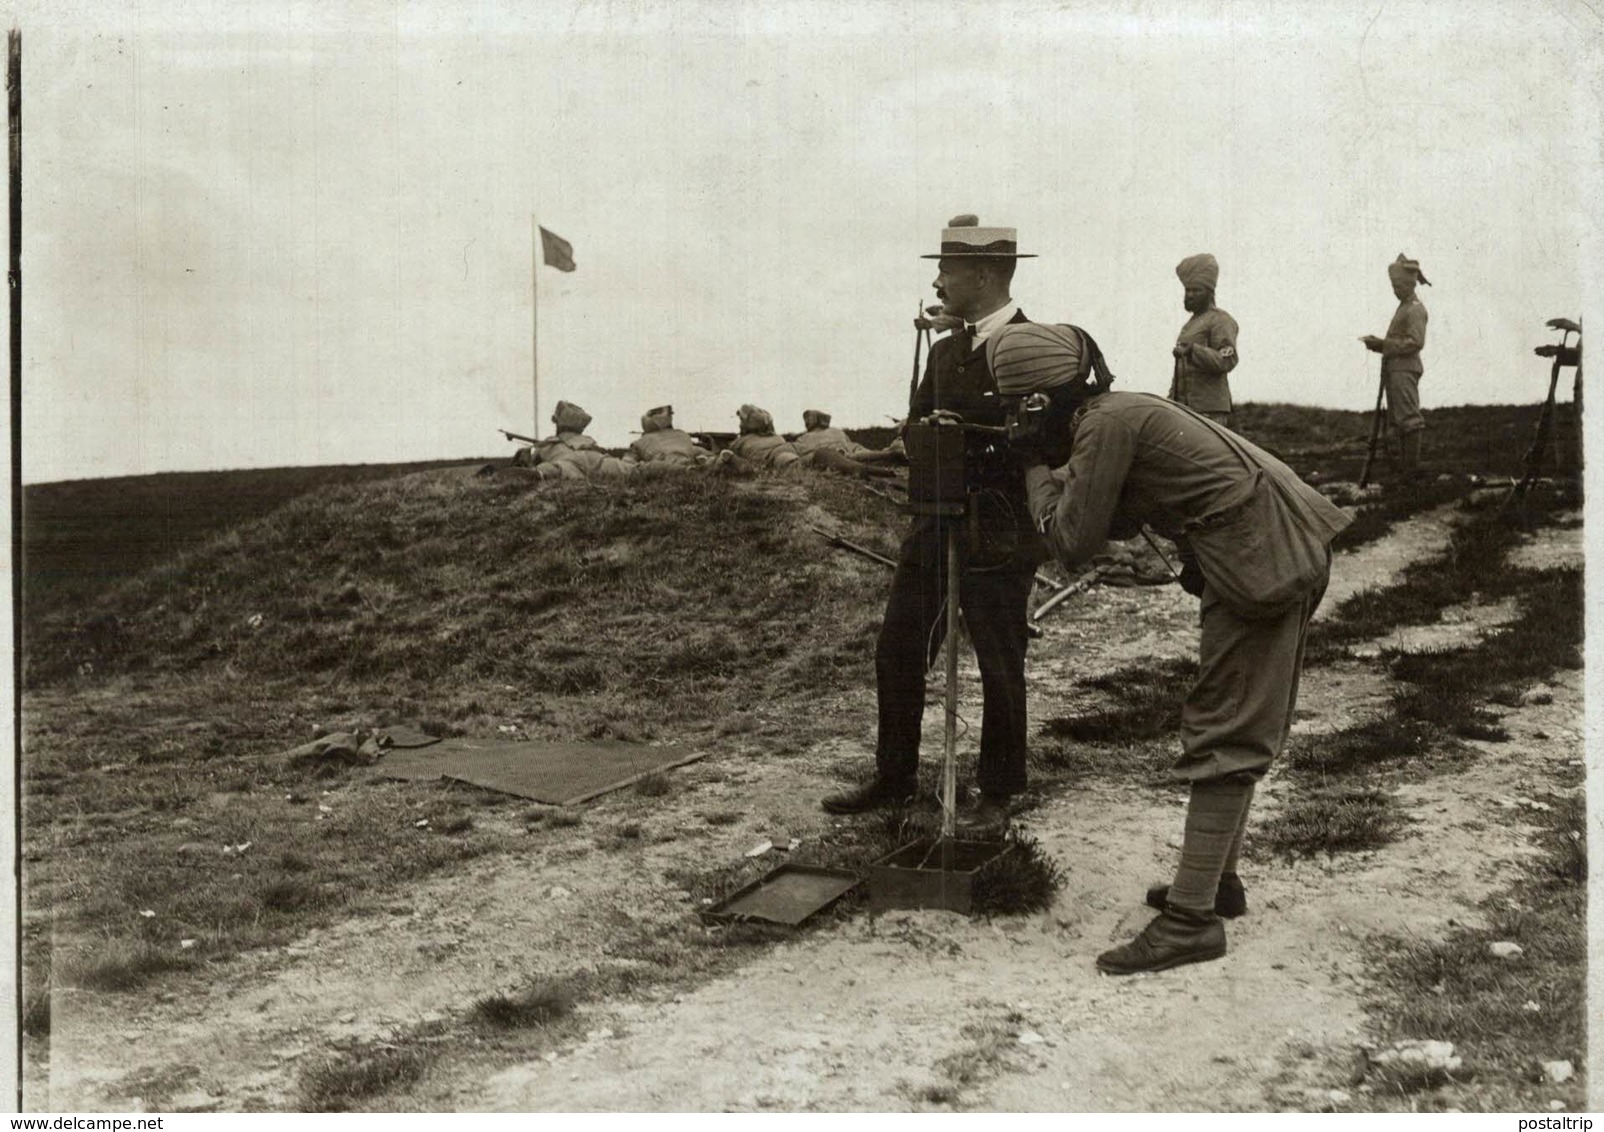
(1205, 350)
(975, 271)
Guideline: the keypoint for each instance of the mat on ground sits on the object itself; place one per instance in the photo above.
(560, 774)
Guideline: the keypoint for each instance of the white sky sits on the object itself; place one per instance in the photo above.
(266, 234)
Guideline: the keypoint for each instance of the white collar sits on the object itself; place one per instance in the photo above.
(986, 327)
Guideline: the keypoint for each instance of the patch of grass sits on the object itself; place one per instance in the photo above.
(292, 895)
(654, 785)
(1024, 880)
(722, 817)
(1504, 1016)
(1360, 747)
(1145, 764)
(1335, 819)
(564, 819)
(35, 1022)
(1375, 519)
(1147, 705)
(341, 1082)
(984, 1055)
(543, 1003)
(126, 965)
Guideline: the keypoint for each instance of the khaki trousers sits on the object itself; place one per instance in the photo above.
(1403, 402)
(1236, 718)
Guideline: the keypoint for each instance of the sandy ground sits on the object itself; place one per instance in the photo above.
(875, 1013)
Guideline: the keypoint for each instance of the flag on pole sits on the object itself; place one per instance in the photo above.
(556, 251)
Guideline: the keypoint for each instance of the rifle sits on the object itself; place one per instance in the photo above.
(1377, 430)
(837, 540)
(1064, 594)
(515, 436)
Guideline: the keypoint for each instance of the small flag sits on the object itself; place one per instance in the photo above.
(556, 251)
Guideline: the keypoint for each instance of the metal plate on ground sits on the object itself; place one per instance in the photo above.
(560, 774)
(935, 873)
(786, 895)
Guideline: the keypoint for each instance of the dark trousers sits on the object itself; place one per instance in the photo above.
(994, 607)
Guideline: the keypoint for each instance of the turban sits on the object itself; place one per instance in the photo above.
(1199, 271)
(1405, 268)
(815, 418)
(1029, 357)
(660, 417)
(755, 421)
(1033, 357)
(569, 417)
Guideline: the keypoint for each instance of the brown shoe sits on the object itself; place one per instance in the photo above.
(1176, 936)
(1230, 901)
(877, 793)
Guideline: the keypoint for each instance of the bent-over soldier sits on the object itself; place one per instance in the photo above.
(1205, 350)
(1255, 541)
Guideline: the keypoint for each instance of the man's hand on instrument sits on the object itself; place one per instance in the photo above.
(943, 417)
(1564, 324)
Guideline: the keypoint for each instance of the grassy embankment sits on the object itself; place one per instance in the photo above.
(153, 695)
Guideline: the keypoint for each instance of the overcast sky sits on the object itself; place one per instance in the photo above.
(266, 234)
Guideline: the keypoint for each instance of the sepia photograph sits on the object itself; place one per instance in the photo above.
(674, 556)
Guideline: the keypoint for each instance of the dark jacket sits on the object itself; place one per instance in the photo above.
(962, 383)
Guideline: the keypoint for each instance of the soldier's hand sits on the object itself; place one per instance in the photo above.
(1564, 324)
(1371, 341)
(1180, 351)
(1192, 578)
(943, 417)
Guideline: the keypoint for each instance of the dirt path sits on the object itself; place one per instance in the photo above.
(906, 1010)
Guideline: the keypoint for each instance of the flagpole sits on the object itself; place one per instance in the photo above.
(534, 316)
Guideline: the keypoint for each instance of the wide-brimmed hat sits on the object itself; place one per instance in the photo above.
(964, 238)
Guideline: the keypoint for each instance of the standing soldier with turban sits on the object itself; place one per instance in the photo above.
(1400, 360)
(1205, 350)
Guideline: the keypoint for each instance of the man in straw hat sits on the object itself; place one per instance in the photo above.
(1400, 361)
(1205, 350)
(1255, 541)
(974, 275)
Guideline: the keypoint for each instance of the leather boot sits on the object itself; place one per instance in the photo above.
(1176, 936)
(1230, 901)
(877, 793)
(1411, 455)
(989, 818)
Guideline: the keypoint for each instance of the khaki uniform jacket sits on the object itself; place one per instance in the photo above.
(561, 446)
(1406, 337)
(670, 445)
(1136, 459)
(773, 451)
(831, 438)
(1200, 382)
